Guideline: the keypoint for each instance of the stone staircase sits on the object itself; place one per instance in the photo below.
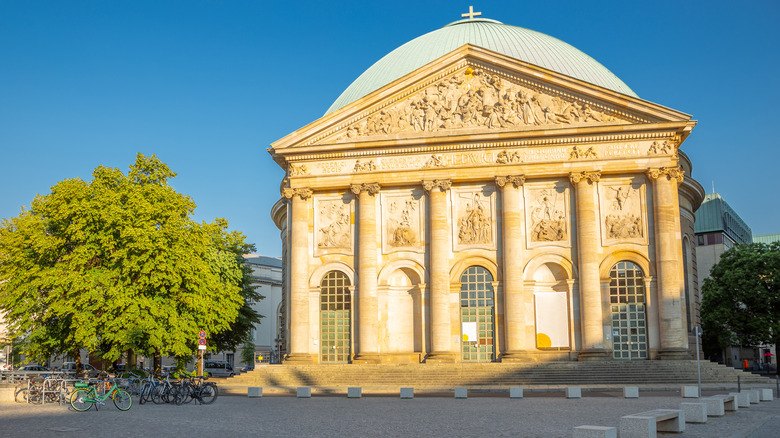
(489, 376)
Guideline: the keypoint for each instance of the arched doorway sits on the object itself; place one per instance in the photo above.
(477, 315)
(335, 318)
(628, 308)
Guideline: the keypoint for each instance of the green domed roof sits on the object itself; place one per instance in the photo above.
(516, 42)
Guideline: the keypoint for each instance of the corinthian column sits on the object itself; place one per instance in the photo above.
(588, 255)
(368, 337)
(441, 336)
(668, 250)
(519, 339)
(299, 273)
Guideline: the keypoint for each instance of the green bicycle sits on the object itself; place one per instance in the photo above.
(85, 396)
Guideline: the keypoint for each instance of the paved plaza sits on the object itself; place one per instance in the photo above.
(537, 415)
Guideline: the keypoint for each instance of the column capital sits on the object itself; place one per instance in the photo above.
(441, 184)
(669, 172)
(591, 177)
(302, 192)
(516, 181)
(369, 188)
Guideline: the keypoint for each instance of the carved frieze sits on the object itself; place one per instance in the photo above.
(333, 224)
(298, 169)
(474, 217)
(579, 152)
(476, 98)
(622, 211)
(367, 166)
(403, 220)
(547, 214)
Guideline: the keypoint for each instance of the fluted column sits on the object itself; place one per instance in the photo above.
(441, 336)
(368, 336)
(518, 338)
(299, 273)
(588, 256)
(668, 254)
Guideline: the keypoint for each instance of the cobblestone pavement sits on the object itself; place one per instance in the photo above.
(537, 415)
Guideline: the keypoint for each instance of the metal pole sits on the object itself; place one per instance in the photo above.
(698, 363)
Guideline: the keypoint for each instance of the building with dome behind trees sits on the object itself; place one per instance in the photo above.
(488, 193)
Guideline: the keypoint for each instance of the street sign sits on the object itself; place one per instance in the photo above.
(202, 334)
(202, 347)
(201, 341)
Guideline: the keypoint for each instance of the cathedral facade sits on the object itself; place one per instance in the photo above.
(495, 196)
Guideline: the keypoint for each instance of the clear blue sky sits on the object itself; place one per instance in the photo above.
(208, 85)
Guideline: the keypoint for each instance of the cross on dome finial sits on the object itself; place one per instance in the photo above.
(471, 14)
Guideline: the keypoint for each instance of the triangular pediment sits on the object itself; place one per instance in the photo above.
(475, 92)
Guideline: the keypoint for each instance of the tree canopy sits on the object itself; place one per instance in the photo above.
(116, 264)
(741, 303)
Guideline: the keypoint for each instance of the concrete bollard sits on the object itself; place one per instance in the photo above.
(461, 393)
(354, 392)
(304, 392)
(407, 393)
(631, 392)
(766, 394)
(595, 432)
(694, 412)
(754, 395)
(254, 391)
(515, 392)
(690, 391)
(573, 392)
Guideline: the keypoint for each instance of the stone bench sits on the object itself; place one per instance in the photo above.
(766, 394)
(742, 398)
(647, 424)
(754, 395)
(695, 412)
(254, 391)
(595, 432)
(715, 406)
(729, 402)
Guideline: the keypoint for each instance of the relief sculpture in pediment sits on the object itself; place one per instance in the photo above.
(476, 99)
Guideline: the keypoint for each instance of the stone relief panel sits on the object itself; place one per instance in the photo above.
(547, 214)
(481, 99)
(474, 217)
(333, 224)
(403, 219)
(624, 217)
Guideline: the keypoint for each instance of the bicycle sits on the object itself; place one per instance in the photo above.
(85, 396)
(197, 389)
(147, 389)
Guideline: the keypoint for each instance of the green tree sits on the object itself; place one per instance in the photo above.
(741, 303)
(117, 264)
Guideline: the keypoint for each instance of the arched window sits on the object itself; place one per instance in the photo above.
(627, 302)
(335, 323)
(477, 315)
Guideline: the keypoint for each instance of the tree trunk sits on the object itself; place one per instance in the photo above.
(157, 369)
(77, 359)
(132, 360)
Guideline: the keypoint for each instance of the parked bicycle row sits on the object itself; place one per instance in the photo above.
(81, 394)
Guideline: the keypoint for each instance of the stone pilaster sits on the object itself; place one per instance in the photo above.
(299, 287)
(441, 336)
(668, 254)
(368, 336)
(588, 255)
(519, 340)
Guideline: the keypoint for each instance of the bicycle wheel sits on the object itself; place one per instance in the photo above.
(122, 399)
(157, 394)
(20, 393)
(78, 400)
(185, 392)
(146, 394)
(208, 393)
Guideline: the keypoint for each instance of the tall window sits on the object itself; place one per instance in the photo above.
(627, 302)
(477, 310)
(335, 323)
